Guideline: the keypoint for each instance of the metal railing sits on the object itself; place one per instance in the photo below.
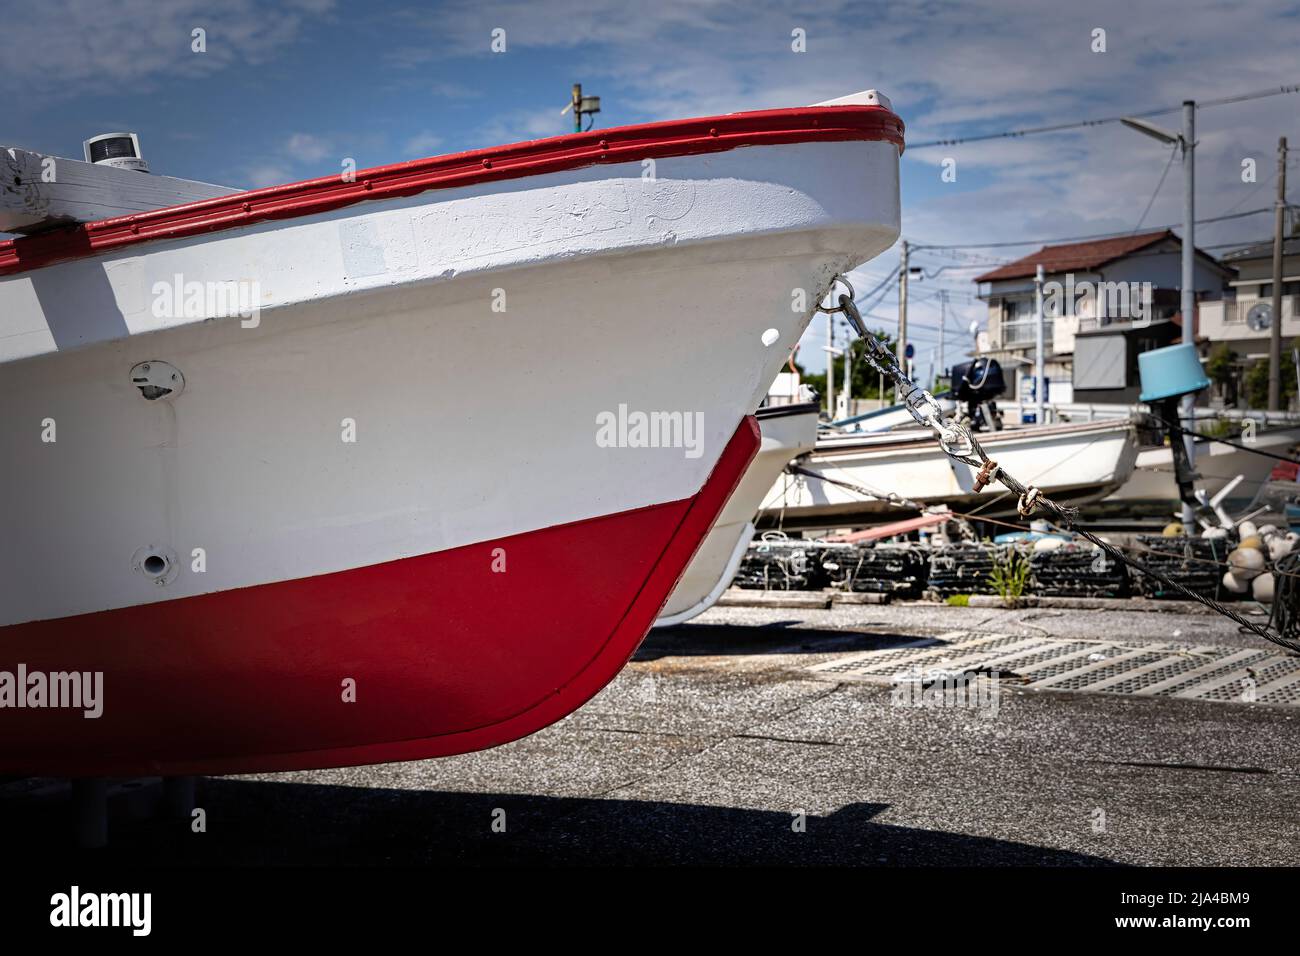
(1022, 332)
(1097, 411)
(1235, 310)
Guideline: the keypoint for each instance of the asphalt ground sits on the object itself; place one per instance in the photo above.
(718, 745)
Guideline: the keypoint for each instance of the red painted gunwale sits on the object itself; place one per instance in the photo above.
(448, 656)
(618, 145)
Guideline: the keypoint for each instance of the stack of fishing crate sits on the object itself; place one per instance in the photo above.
(1195, 563)
(966, 568)
(898, 571)
(1077, 570)
(779, 564)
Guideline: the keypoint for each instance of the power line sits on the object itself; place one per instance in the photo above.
(1101, 121)
(1151, 201)
(883, 282)
(1235, 244)
(1258, 186)
(1099, 235)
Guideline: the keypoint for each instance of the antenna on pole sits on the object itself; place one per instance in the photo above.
(581, 106)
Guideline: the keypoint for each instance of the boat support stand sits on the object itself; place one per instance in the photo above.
(91, 798)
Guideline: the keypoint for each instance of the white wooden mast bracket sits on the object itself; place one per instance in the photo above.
(39, 192)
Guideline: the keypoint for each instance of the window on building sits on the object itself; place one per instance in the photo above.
(1021, 308)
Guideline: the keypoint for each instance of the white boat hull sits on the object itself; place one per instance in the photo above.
(1152, 482)
(785, 437)
(343, 492)
(250, 464)
(1074, 463)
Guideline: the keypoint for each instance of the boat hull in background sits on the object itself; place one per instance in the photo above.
(1152, 486)
(788, 431)
(1068, 463)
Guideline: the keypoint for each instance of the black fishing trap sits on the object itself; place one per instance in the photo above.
(1195, 563)
(1077, 570)
(780, 564)
(967, 568)
(902, 572)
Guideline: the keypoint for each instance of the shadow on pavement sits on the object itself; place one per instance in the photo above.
(776, 637)
(274, 823)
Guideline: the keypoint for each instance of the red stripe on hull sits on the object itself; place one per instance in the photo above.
(448, 655)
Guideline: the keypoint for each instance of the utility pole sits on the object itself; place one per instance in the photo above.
(1188, 298)
(901, 351)
(830, 366)
(1187, 143)
(1275, 327)
(943, 321)
(847, 389)
(1040, 381)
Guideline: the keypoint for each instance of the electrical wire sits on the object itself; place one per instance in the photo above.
(1143, 217)
(1102, 121)
(913, 244)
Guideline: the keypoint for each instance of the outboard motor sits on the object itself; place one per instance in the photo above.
(977, 383)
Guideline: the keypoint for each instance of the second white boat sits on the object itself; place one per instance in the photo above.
(1072, 464)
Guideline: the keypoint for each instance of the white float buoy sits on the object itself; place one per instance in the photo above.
(1262, 588)
(1233, 584)
(1246, 563)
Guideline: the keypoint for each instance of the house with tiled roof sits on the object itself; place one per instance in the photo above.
(1108, 300)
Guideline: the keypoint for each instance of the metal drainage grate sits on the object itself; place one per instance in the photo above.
(1110, 667)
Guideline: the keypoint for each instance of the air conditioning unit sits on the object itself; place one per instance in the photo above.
(1260, 316)
(120, 150)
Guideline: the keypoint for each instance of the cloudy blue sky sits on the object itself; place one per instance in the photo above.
(287, 89)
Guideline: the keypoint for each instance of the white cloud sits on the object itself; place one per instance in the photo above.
(307, 148)
(422, 144)
(517, 125)
(61, 48)
(266, 174)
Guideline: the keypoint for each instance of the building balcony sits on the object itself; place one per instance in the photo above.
(1023, 333)
(1226, 319)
